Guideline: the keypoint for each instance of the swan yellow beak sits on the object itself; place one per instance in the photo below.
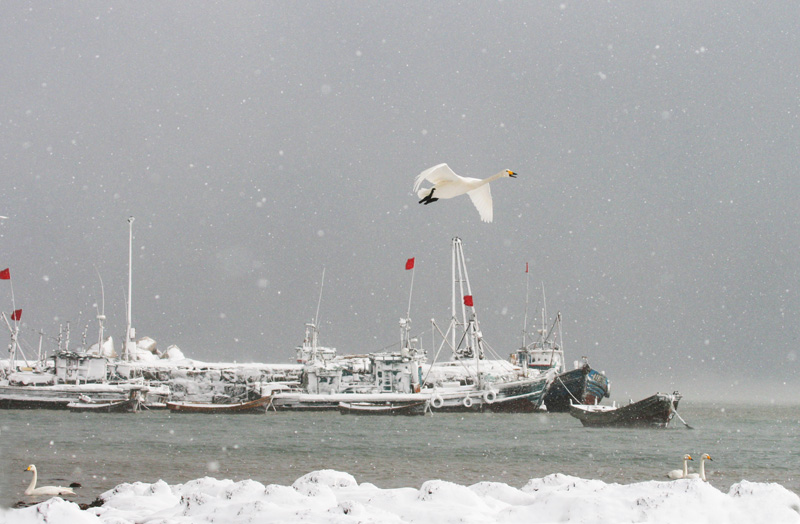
(511, 174)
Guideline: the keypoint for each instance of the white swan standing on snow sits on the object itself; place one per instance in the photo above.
(678, 473)
(702, 474)
(447, 184)
(44, 490)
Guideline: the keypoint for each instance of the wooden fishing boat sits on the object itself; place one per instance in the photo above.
(383, 408)
(258, 405)
(654, 411)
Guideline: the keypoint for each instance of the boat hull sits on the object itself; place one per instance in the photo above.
(655, 411)
(581, 386)
(518, 396)
(523, 396)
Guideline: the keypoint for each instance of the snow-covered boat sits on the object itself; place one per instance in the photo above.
(581, 385)
(414, 407)
(482, 383)
(88, 405)
(654, 411)
(258, 405)
(374, 379)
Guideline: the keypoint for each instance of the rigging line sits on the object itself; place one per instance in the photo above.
(675, 412)
(319, 301)
(494, 353)
(441, 346)
(418, 336)
(568, 391)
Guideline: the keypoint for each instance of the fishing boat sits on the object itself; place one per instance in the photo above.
(258, 405)
(581, 385)
(57, 396)
(655, 411)
(487, 384)
(415, 407)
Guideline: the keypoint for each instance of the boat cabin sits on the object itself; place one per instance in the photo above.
(396, 372)
(310, 352)
(322, 379)
(78, 368)
(541, 357)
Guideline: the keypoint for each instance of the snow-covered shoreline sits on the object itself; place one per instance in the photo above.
(329, 496)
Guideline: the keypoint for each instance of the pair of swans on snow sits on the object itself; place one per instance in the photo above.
(49, 491)
(684, 473)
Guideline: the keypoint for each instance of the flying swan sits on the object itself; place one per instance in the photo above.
(44, 490)
(447, 184)
(681, 474)
(702, 474)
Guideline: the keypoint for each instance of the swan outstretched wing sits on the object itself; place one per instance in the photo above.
(435, 175)
(482, 198)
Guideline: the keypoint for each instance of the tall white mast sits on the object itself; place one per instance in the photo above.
(101, 314)
(454, 317)
(129, 333)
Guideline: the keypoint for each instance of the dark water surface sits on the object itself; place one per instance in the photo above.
(100, 451)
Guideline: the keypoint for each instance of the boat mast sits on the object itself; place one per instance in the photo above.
(12, 347)
(453, 320)
(470, 324)
(39, 353)
(314, 327)
(405, 324)
(129, 333)
(525, 321)
(101, 315)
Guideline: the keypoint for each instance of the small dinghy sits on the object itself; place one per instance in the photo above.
(654, 411)
(383, 408)
(85, 404)
(258, 405)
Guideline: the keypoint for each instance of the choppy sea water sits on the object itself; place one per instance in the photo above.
(100, 451)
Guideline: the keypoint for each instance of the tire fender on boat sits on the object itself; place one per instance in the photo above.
(467, 402)
(437, 402)
(490, 396)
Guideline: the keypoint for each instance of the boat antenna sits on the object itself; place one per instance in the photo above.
(101, 314)
(39, 353)
(129, 331)
(319, 301)
(525, 321)
(544, 308)
(560, 334)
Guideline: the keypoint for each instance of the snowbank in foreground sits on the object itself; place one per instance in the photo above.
(333, 497)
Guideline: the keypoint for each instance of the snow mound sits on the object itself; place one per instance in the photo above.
(329, 496)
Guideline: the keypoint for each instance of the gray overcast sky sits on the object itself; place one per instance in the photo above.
(258, 142)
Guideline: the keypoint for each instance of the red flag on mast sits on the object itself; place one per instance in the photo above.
(5, 274)
(468, 300)
(410, 263)
(16, 315)
(526, 267)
